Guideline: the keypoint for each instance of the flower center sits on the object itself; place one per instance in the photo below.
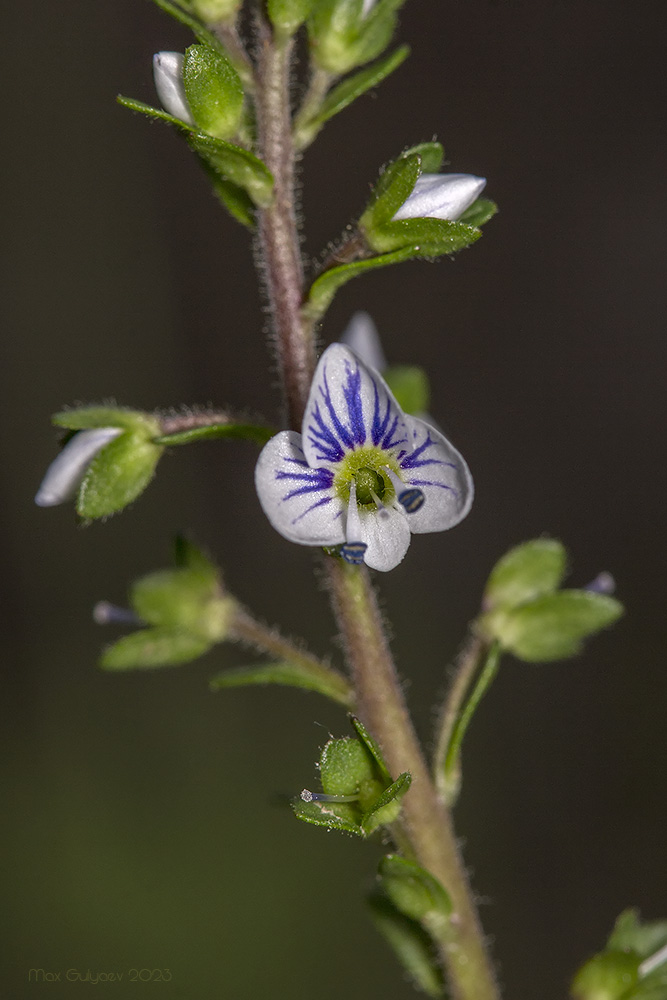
(369, 482)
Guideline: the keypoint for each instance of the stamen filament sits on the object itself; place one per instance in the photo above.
(353, 549)
(409, 497)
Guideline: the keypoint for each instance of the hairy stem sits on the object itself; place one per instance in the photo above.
(278, 233)
(426, 823)
(425, 819)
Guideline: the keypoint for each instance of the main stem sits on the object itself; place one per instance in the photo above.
(426, 821)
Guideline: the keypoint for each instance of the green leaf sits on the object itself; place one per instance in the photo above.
(387, 807)
(117, 475)
(393, 187)
(409, 384)
(431, 155)
(630, 934)
(525, 572)
(288, 15)
(213, 90)
(235, 164)
(415, 892)
(247, 432)
(479, 212)
(342, 39)
(348, 91)
(552, 627)
(345, 765)
(87, 417)
(372, 746)
(608, 976)
(324, 287)
(238, 202)
(153, 647)
(324, 814)
(197, 27)
(411, 945)
(324, 680)
(430, 237)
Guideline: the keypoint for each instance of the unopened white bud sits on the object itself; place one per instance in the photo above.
(168, 76)
(65, 474)
(362, 336)
(441, 196)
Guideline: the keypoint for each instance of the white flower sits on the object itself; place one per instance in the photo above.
(441, 196)
(65, 474)
(168, 77)
(363, 474)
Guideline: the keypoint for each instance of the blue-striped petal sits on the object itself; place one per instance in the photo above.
(435, 467)
(300, 502)
(350, 406)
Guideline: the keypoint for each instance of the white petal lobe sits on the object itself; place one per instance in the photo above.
(441, 196)
(436, 468)
(350, 406)
(300, 502)
(64, 475)
(387, 538)
(168, 77)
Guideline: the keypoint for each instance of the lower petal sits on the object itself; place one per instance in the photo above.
(387, 538)
(436, 468)
(300, 502)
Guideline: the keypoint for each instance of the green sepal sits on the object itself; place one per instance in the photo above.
(431, 155)
(153, 647)
(151, 112)
(246, 432)
(117, 475)
(187, 599)
(213, 89)
(611, 975)
(410, 386)
(235, 164)
(631, 934)
(325, 814)
(552, 627)
(288, 15)
(238, 202)
(411, 945)
(346, 92)
(187, 555)
(324, 288)
(197, 27)
(341, 39)
(525, 572)
(227, 161)
(345, 766)
(324, 681)
(387, 807)
(479, 212)
(86, 417)
(395, 185)
(214, 11)
(372, 746)
(415, 892)
(429, 237)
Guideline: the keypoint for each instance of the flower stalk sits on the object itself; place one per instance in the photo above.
(426, 822)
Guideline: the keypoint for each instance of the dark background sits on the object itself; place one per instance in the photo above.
(140, 809)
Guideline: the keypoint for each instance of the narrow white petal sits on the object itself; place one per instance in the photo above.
(387, 538)
(350, 406)
(300, 502)
(64, 475)
(362, 337)
(440, 472)
(367, 7)
(168, 77)
(441, 196)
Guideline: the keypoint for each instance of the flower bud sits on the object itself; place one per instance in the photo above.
(168, 77)
(65, 474)
(441, 196)
(214, 11)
